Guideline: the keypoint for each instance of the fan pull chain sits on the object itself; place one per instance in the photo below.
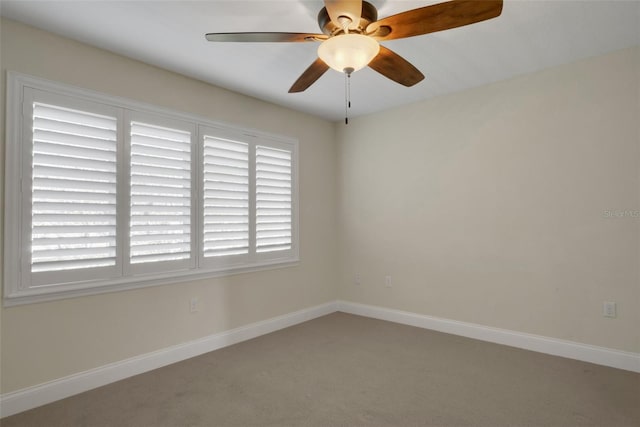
(347, 93)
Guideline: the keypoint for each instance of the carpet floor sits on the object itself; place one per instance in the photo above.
(345, 370)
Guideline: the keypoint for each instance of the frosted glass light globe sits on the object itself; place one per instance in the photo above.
(349, 52)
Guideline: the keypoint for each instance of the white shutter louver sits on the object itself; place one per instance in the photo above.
(73, 210)
(160, 219)
(225, 197)
(273, 199)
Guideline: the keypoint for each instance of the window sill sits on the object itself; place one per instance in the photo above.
(58, 292)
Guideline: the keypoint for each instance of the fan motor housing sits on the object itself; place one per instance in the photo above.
(369, 15)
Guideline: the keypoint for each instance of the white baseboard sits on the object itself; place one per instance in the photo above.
(569, 349)
(31, 397)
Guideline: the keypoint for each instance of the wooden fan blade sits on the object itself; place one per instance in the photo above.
(395, 67)
(437, 17)
(310, 75)
(352, 9)
(264, 37)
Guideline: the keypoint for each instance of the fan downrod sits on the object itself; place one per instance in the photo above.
(369, 15)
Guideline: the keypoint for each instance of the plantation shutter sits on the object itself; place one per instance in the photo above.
(225, 197)
(273, 199)
(160, 218)
(73, 201)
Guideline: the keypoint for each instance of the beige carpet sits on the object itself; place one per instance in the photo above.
(344, 370)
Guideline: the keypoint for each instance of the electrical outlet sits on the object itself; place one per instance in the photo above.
(194, 305)
(609, 309)
(387, 281)
(357, 279)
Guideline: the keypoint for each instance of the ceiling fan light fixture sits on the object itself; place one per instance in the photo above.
(348, 52)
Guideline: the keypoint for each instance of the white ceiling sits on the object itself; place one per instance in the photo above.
(529, 35)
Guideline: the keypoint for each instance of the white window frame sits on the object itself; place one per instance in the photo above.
(64, 276)
(157, 120)
(279, 255)
(230, 260)
(18, 288)
(253, 258)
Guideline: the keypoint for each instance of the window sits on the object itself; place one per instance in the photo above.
(273, 199)
(225, 202)
(73, 197)
(160, 176)
(104, 193)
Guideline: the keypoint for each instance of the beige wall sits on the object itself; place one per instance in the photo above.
(488, 206)
(42, 342)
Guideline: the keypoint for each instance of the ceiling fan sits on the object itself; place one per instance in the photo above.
(351, 32)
